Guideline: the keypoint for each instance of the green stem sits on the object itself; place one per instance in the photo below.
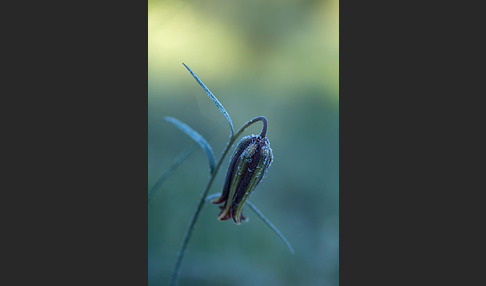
(180, 255)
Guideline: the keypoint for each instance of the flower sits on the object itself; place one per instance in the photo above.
(248, 165)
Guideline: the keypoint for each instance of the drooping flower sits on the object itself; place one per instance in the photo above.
(248, 165)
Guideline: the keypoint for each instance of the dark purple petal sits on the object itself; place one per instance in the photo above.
(248, 165)
(231, 169)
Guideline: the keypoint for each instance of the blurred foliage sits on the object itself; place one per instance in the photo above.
(273, 58)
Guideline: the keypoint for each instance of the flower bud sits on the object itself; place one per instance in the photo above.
(248, 165)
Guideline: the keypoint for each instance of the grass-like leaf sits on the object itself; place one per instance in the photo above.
(179, 160)
(214, 99)
(270, 225)
(262, 217)
(196, 137)
(212, 197)
(183, 156)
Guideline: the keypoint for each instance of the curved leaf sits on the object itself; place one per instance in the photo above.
(183, 156)
(179, 160)
(262, 217)
(196, 137)
(212, 197)
(214, 99)
(270, 225)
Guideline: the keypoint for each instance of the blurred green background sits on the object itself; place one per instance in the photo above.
(276, 58)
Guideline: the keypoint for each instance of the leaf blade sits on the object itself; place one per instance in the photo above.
(214, 99)
(183, 156)
(271, 226)
(262, 217)
(196, 137)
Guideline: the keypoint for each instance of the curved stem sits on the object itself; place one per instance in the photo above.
(264, 129)
(180, 255)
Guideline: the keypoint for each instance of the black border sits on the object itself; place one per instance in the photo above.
(373, 163)
(407, 134)
(78, 137)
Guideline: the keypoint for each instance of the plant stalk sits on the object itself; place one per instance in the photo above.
(180, 255)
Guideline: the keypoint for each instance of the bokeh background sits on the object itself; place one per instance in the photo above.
(277, 58)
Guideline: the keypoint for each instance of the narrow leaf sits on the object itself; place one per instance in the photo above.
(265, 220)
(196, 137)
(179, 160)
(183, 156)
(214, 99)
(212, 197)
(270, 225)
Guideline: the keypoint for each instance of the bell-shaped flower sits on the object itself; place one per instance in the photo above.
(248, 165)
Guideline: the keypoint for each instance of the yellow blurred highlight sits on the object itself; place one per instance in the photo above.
(308, 55)
(177, 33)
